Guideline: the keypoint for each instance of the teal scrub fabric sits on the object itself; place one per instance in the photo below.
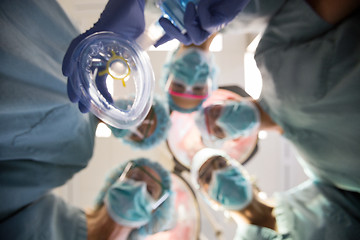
(310, 211)
(311, 86)
(44, 139)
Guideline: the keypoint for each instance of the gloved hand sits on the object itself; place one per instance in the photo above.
(124, 17)
(209, 17)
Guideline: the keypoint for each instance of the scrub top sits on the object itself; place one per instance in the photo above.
(311, 87)
(254, 17)
(311, 211)
(44, 139)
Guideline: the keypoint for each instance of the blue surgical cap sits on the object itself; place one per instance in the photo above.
(162, 218)
(162, 126)
(193, 66)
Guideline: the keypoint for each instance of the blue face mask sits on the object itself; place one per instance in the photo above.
(129, 204)
(238, 119)
(230, 188)
(191, 68)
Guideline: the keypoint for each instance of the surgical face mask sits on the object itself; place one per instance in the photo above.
(239, 119)
(229, 120)
(230, 188)
(190, 68)
(129, 204)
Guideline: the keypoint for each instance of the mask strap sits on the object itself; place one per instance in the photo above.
(187, 95)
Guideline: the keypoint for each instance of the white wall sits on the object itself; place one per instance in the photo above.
(274, 165)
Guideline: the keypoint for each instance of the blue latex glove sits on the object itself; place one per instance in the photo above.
(201, 21)
(124, 17)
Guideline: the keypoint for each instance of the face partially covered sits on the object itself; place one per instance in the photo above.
(206, 170)
(151, 131)
(142, 188)
(146, 128)
(221, 179)
(149, 176)
(212, 113)
(187, 97)
(188, 83)
(227, 120)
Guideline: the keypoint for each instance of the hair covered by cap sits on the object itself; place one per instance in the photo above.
(161, 219)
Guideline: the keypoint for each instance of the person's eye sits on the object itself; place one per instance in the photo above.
(208, 178)
(177, 87)
(150, 190)
(218, 132)
(215, 111)
(222, 164)
(199, 90)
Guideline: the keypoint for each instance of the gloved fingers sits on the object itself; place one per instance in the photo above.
(100, 82)
(163, 40)
(192, 25)
(215, 14)
(68, 63)
(73, 92)
(141, 4)
(211, 15)
(123, 17)
(173, 31)
(84, 107)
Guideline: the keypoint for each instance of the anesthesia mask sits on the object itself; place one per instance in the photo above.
(106, 59)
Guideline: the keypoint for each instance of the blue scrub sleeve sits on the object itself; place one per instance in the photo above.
(310, 86)
(47, 218)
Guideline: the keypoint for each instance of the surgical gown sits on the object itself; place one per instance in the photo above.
(44, 139)
(311, 86)
(311, 211)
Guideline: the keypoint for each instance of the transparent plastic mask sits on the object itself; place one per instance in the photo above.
(127, 66)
